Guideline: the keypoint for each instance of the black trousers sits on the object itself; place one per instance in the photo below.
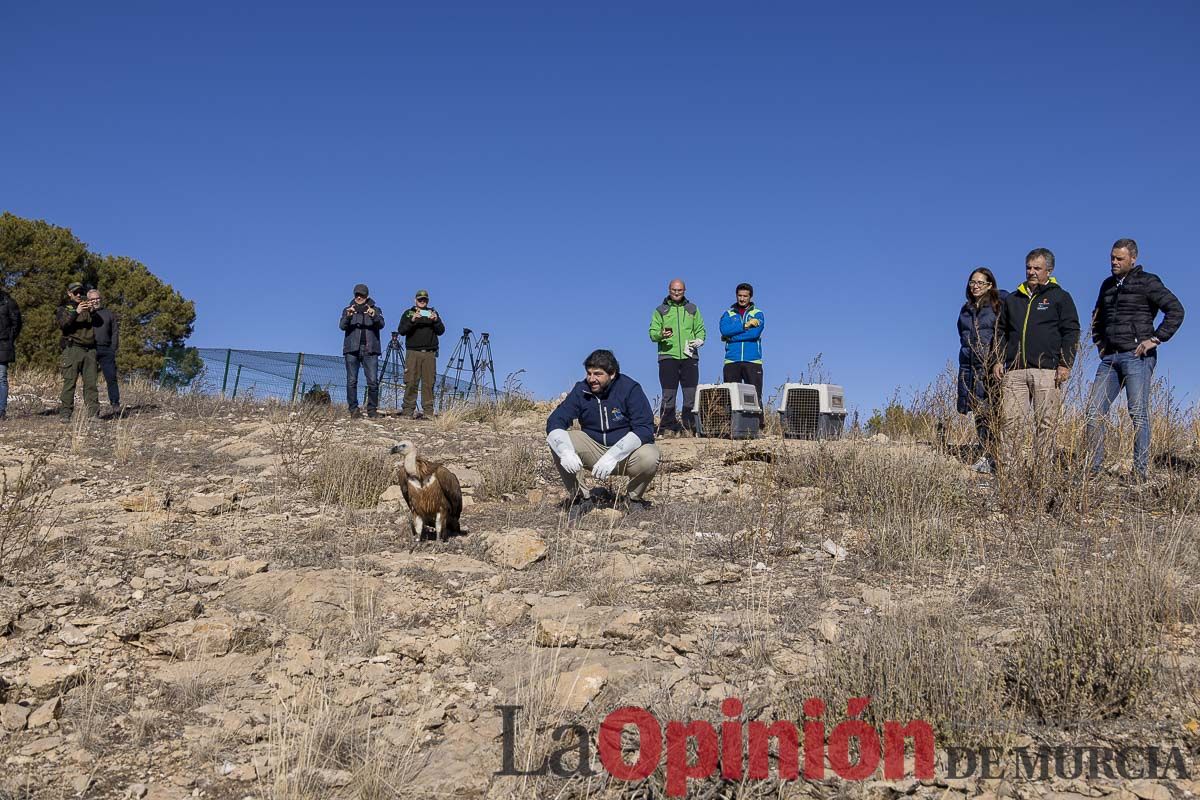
(672, 372)
(106, 359)
(746, 372)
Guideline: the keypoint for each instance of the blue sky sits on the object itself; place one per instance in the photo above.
(545, 169)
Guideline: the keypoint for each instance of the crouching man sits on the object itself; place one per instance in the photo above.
(618, 430)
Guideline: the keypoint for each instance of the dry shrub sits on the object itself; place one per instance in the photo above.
(913, 505)
(513, 470)
(1090, 655)
(23, 506)
(918, 663)
(349, 476)
(321, 749)
(299, 433)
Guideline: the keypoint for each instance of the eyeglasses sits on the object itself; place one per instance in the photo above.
(979, 283)
(422, 299)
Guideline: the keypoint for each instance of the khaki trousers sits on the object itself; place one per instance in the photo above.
(640, 466)
(1020, 389)
(420, 368)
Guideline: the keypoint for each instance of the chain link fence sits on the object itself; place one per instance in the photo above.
(264, 374)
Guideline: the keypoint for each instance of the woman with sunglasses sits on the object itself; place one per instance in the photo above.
(977, 391)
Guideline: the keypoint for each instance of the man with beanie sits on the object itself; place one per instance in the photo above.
(617, 435)
(10, 329)
(78, 343)
(361, 322)
(420, 326)
(678, 329)
(107, 338)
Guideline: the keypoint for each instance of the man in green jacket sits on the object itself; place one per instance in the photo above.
(678, 329)
(78, 358)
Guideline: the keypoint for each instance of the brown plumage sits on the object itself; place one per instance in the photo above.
(432, 492)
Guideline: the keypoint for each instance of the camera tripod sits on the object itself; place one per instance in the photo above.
(391, 373)
(475, 358)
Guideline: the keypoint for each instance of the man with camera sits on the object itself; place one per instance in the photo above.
(107, 338)
(420, 326)
(78, 343)
(678, 329)
(361, 322)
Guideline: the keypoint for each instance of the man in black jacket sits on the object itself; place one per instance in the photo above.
(361, 322)
(108, 336)
(1038, 333)
(1124, 333)
(10, 329)
(420, 326)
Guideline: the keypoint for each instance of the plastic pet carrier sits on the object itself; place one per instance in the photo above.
(812, 411)
(727, 411)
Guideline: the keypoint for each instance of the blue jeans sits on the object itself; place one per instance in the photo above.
(370, 368)
(1135, 375)
(3, 389)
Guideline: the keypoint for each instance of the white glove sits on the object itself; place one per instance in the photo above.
(560, 443)
(608, 462)
(693, 346)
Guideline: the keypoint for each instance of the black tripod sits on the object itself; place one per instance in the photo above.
(391, 373)
(483, 367)
(463, 352)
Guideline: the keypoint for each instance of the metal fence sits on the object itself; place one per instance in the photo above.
(263, 374)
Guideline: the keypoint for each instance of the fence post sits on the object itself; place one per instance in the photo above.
(236, 380)
(225, 379)
(296, 379)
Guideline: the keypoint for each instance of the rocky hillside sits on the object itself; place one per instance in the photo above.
(222, 600)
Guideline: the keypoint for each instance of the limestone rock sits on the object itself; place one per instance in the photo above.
(13, 717)
(517, 548)
(46, 713)
(504, 609)
(48, 677)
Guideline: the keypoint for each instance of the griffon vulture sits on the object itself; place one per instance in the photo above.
(431, 491)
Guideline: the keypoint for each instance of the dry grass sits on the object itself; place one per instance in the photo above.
(24, 506)
(918, 663)
(319, 749)
(1091, 656)
(348, 476)
(513, 470)
(913, 506)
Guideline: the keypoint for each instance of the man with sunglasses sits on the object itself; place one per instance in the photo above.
(420, 326)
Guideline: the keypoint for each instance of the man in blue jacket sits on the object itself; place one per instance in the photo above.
(741, 331)
(617, 433)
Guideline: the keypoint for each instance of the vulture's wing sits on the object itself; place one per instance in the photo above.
(451, 490)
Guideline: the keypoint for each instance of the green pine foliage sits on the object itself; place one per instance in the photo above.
(37, 262)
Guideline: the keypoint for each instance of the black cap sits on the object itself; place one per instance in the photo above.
(362, 289)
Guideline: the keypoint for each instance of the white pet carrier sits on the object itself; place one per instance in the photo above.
(812, 411)
(727, 410)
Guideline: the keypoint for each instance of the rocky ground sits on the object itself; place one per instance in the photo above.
(205, 612)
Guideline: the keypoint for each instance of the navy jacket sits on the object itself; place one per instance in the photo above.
(976, 354)
(606, 417)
